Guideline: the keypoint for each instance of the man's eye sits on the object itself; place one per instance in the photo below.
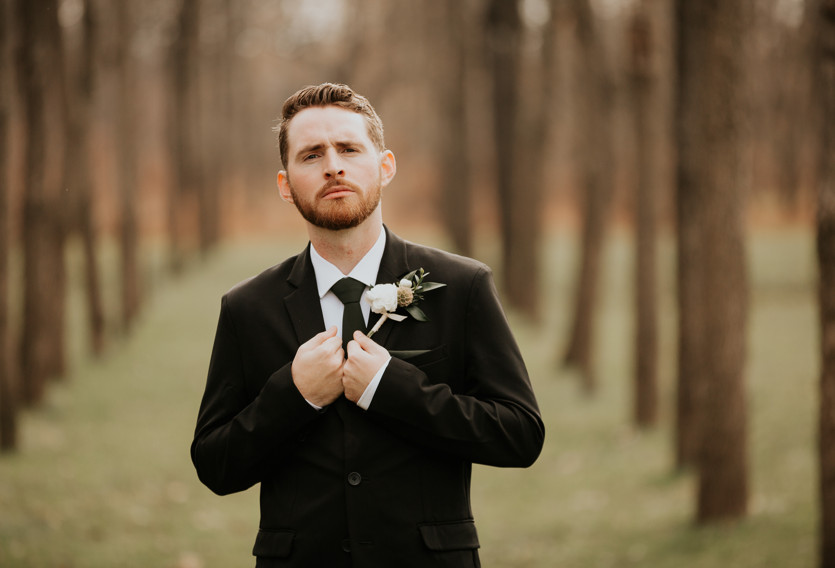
(311, 157)
(350, 150)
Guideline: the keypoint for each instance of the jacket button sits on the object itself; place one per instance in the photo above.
(346, 545)
(354, 478)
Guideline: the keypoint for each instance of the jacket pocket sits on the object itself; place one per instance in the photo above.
(422, 357)
(273, 543)
(455, 535)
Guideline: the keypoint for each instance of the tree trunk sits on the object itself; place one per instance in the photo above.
(645, 91)
(126, 128)
(595, 155)
(520, 136)
(41, 82)
(214, 78)
(504, 46)
(183, 67)
(456, 207)
(690, 250)
(8, 394)
(712, 72)
(825, 98)
(78, 173)
(530, 180)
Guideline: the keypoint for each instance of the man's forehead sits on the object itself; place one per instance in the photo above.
(317, 125)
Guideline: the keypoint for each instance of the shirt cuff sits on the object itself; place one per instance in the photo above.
(317, 407)
(365, 400)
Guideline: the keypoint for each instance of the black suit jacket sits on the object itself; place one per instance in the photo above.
(389, 486)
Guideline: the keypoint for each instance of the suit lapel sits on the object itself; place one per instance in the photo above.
(303, 301)
(393, 266)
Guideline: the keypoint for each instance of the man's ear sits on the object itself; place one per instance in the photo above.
(388, 166)
(284, 186)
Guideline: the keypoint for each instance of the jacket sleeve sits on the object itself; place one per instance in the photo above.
(237, 433)
(493, 419)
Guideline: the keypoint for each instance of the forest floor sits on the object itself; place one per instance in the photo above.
(104, 479)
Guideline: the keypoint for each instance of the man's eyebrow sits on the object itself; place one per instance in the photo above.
(347, 143)
(309, 149)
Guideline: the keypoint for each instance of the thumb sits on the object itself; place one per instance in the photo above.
(364, 341)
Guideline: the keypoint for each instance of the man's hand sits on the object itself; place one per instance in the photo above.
(365, 358)
(317, 368)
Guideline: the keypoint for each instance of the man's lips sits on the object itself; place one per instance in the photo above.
(336, 192)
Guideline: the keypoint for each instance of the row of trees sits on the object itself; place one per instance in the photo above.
(135, 119)
(76, 112)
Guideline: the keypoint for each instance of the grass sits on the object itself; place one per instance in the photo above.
(103, 477)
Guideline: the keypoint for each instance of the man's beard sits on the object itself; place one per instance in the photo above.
(339, 213)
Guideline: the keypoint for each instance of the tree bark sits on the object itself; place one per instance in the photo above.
(79, 179)
(690, 249)
(645, 92)
(824, 89)
(504, 45)
(520, 135)
(456, 206)
(8, 392)
(214, 80)
(126, 128)
(711, 90)
(595, 156)
(41, 80)
(183, 68)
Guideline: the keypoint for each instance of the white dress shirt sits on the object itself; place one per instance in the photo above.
(332, 308)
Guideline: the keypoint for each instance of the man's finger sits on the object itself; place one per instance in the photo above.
(322, 336)
(353, 348)
(366, 342)
(332, 344)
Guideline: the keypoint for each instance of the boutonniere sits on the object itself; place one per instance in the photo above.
(386, 298)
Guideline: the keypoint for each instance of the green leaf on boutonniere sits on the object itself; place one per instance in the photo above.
(416, 313)
(426, 286)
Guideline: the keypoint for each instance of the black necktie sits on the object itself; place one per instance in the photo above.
(349, 292)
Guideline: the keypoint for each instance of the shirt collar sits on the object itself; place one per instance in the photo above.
(365, 271)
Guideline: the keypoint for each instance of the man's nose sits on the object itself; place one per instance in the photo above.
(333, 165)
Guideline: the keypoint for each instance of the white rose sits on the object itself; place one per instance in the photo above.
(383, 298)
(405, 283)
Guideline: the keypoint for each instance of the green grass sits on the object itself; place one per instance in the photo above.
(103, 477)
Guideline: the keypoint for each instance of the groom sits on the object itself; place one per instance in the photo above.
(363, 446)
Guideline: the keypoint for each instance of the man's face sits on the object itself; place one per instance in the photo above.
(334, 173)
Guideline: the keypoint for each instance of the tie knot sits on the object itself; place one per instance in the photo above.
(348, 290)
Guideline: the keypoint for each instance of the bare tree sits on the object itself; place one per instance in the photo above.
(456, 207)
(824, 15)
(8, 394)
(214, 75)
(182, 123)
(126, 127)
(644, 63)
(41, 80)
(595, 155)
(80, 116)
(712, 99)
(690, 252)
(503, 27)
(520, 135)
(536, 86)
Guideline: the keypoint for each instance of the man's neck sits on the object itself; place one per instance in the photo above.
(345, 248)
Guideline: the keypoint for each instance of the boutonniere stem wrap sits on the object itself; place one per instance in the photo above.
(386, 298)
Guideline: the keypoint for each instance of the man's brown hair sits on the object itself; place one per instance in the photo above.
(328, 94)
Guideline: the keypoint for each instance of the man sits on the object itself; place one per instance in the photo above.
(363, 449)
